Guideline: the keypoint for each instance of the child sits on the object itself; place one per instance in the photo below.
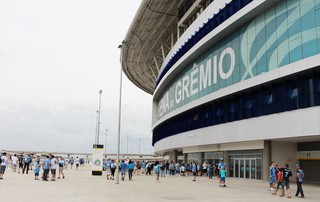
(36, 170)
(223, 173)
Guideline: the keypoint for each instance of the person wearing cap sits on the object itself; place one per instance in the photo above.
(299, 179)
(222, 166)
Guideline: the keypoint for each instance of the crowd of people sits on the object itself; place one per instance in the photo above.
(280, 178)
(163, 168)
(41, 166)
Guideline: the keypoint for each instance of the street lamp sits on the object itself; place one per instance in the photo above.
(105, 144)
(119, 120)
(139, 146)
(127, 146)
(97, 123)
(98, 131)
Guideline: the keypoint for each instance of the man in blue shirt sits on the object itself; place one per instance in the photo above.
(123, 166)
(222, 166)
(46, 167)
(272, 176)
(299, 179)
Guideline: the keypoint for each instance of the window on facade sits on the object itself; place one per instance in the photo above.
(268, 99)
(276, 97)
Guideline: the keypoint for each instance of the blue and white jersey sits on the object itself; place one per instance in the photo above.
(221, 165)
(300, 175)
(272, 171)
(46, 163)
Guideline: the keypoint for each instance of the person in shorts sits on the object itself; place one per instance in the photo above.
(223, 173)
(221, 165)
(61, 167)
(53, 167)
(14, 163)
(272, 176)
(36, 170)
(286, 180)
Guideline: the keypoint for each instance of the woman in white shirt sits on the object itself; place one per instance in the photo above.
(3, 161)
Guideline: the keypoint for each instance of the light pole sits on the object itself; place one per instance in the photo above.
(98, 131)
(97, 123)
(139, 146)
(127, 146)
(119, 120)
(105, 144)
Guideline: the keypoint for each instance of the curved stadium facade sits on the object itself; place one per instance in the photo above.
(231, 78)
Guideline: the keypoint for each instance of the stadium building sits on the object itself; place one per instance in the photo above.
(238, 79)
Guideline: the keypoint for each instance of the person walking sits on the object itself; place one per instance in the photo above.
(61, 167)
(3, 161)
(20, 161)
(14, 163)
(279, 179)
(123, 167)
(77, 163)
(130, 169)
(286, 180)
(113, 169)
(299, 180)
(71, 162)
(148, 168)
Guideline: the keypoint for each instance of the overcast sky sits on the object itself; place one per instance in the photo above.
(55, 56)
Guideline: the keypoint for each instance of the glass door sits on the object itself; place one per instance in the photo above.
(247, 166)
(253, 169)
(242, 170)
(236, 167)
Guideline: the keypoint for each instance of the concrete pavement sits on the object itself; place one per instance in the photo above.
(82, 186)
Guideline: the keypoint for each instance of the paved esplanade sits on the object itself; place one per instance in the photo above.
(82, 186)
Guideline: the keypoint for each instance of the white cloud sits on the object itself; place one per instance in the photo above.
(55, 56)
